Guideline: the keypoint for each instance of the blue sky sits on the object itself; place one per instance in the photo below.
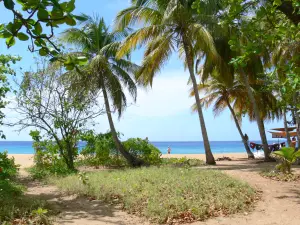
(162, 113)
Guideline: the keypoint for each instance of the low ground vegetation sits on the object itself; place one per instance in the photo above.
(279, 176)
(165, 194)
(15, 207)
(286, 157)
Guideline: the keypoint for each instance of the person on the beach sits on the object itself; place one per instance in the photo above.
(246, 138)
(169, 150)
(293, 144)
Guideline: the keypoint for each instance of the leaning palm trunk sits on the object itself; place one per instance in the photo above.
(257, 116)
(209, 156)
(297, 118)
(249, 153)
(288, 137)
(134, 162)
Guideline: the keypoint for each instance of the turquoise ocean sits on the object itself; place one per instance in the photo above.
(187, 147)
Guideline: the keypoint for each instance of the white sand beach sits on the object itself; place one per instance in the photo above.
(26, 160)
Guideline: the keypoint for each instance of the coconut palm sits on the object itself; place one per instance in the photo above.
(282, 56)
(167, 26)
(248, 75)
(105, 72)
(222, 96)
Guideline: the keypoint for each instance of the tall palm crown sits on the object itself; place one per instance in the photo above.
(218, 93)
(105, 70)
(167, 25)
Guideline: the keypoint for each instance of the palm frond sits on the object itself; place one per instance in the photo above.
(138, 38)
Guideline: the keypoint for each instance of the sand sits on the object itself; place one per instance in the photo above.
(26, 160)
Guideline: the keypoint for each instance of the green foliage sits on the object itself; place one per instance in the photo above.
(287, 156)
(8, 168)
(165, 195)
(15, 208)
(276, 175)
(47, 158)
(32, 16)
(5, 69)
(144, 150)
(47, 101)
(100, 150)
(182, 162)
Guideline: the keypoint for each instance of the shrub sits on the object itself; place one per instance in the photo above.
(276, 175)
(8, 168)
(287, 157)
(15, 208)
(144, 150)
(165, 194)
(100, 149)
(182, 162)
(47, 159)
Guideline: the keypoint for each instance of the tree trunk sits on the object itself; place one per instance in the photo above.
(134, 162)
(190, 61)
(297, 117)
(249, 152)
(288, 137)
(257, 116)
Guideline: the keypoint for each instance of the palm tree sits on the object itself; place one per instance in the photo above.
(222, 95)
(248, 75)
(283, 56)
(105, 72)
(168, 26)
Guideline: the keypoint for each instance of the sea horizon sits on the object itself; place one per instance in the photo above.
(177, 147)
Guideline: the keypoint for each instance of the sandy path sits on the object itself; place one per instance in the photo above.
(79, 210)
(280, 203)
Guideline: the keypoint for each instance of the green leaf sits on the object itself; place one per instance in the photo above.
(70, 67)
(10, 41)
(82, 60)
(43, 52)
(5, 34)
(70, 21)
(56, 13)
(79, 18)
(22, 36)
(38, 28)
(42, 14)
(70, 6)
(9, 4)
(40, 42)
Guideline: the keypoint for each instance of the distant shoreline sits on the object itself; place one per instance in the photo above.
(26, 160)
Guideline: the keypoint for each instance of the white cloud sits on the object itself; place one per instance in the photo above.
(169, 96)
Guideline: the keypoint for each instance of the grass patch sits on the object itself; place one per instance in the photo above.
(182, 162)
(165, 194)
(15, 208)
(279, 176)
